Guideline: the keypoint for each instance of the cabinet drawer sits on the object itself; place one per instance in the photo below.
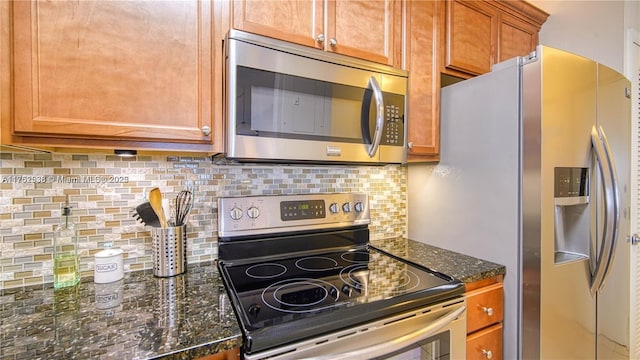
(484, 307)
(485, 344)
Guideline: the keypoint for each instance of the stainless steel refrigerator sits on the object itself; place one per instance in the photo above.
(535, 174)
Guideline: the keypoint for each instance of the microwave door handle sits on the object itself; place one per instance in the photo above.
(610, 213)
(377, 135)
(398, 343)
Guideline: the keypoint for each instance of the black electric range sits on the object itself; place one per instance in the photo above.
(299, 266)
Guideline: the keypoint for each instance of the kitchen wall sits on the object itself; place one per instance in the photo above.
(594, 29)
(103, 190)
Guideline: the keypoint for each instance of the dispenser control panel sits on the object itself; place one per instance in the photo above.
(571, 182)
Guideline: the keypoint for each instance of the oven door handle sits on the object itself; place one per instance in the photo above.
(398, 343)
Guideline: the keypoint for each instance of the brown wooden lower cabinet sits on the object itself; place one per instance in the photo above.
(233, 354)
(485, 301)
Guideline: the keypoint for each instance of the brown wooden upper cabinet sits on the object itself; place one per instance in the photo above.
(136, 74)
(423, 113)
(370, 30)
(450, 40)
(478, 34)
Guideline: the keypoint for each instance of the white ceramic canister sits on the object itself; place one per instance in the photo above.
(109, 266)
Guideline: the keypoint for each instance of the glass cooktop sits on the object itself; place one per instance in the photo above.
(328, 284)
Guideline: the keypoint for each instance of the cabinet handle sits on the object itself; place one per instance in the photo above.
(487, 353)
(320, 38)
(488, 310)
(410, 145)
(333, 42)
(206, 130)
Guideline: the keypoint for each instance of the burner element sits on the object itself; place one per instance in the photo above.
(300, 295)
(316, 263)
(291, 295)
(356, 256)
(266, 270)
(354, 276)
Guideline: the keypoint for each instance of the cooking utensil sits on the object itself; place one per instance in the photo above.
(184, 204)
(155, 199)
(145, 214)
(167, 207)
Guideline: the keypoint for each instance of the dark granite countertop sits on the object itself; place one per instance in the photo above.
(145, 317)
(138, 317)
(462, 267)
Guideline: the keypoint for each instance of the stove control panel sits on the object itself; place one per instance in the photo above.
(302, 209)
(240, 216)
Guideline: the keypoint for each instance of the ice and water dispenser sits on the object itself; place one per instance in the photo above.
(572, 214)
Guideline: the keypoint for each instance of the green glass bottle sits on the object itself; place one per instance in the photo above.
(66, 265)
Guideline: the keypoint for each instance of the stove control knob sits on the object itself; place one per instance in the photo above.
(346, 289)
(333, 292)
(254, 310)
(346, 207)
(358, 206)
(253, 212)
(333, 208)
(235, 213)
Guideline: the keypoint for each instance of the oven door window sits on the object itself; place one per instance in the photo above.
(278, 105)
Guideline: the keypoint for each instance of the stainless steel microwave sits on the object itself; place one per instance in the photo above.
(289, 103)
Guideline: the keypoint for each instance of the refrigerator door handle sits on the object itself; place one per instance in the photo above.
(616, 208)
(612, 208)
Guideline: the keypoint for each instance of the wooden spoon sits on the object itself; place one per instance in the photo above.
(155, 199)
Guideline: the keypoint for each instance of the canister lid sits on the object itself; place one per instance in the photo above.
(108, 253)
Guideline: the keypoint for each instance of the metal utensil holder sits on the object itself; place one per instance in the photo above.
(169, 250)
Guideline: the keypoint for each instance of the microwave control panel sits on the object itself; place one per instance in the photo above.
(393, 133)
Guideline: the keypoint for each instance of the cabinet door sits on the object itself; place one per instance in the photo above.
(424, 82)
(113, 70)
(517, 38)
(365, 29)
(297, 21)
(471, 36)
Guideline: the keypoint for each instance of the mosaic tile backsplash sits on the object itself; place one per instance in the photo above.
(104, 189)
